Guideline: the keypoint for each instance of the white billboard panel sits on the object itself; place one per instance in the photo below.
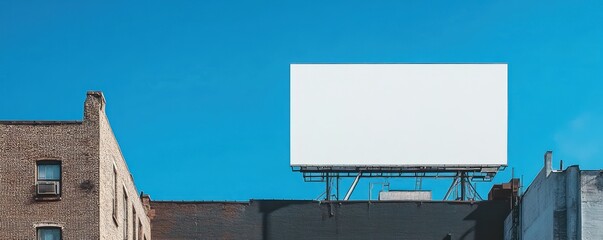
(398, 115)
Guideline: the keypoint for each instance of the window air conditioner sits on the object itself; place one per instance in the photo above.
(47, 188)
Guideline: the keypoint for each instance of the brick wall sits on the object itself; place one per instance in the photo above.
(86, 149)
(293, 219)
(76, 145)
(112, 223)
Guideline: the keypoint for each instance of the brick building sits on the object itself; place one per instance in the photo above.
(68, 180)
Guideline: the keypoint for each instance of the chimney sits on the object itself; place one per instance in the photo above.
(94, 105)
(146, 203)
(548, 158)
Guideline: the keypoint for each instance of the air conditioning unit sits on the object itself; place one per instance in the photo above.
(47, 188)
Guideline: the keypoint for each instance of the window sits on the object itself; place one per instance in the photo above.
(49, 233)
(125, 215)
(48, 179)
(134, 235)
(114, 210)
(139, 237)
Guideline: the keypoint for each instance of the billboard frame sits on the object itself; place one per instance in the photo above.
(483, 173)
(437, 167)
(462, 177)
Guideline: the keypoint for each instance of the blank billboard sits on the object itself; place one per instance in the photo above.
(397, 115)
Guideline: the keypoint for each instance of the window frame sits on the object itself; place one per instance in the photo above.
(134, 226)
(59, 180)
(114, 203)
(39, 229)
(140, 230)
(126, 210)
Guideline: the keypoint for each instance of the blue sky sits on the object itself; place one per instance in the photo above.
(198, 91)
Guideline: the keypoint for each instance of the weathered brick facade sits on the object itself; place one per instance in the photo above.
(89, 156)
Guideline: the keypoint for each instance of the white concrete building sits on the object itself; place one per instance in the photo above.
(559, 204)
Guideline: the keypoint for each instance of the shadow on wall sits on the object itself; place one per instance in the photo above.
(305, 219)
(489, 217)
(382, 220)
(267, 207)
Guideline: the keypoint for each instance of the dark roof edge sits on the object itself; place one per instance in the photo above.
(13, 122)
(196, 202)
(317, 201)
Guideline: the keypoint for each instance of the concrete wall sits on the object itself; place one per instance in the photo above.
(508, 229)
(538, 206)
(567, 204)
(280, 219)
(591, 205)
(76, 145)
(112, 222)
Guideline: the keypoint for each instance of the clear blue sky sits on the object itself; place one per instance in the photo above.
(198, 91)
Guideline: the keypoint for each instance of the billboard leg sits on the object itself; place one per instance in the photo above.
(328, 190)
(463, 186)
(467, 191)
(337, 188)
(476, 195)
(452, 186)
(349, 194)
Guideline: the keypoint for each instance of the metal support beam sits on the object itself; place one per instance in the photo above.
(476, 195)
(349, 194)
(452, 186)
(419, 181)
(328, 190)
(337, 189)
(463, 186)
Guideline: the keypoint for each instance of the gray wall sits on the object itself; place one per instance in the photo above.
(591, 204)
(550, 207)
(281, 219)
(565, 204)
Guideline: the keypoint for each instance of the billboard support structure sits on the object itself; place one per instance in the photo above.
(461, 188)
(475, 173)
